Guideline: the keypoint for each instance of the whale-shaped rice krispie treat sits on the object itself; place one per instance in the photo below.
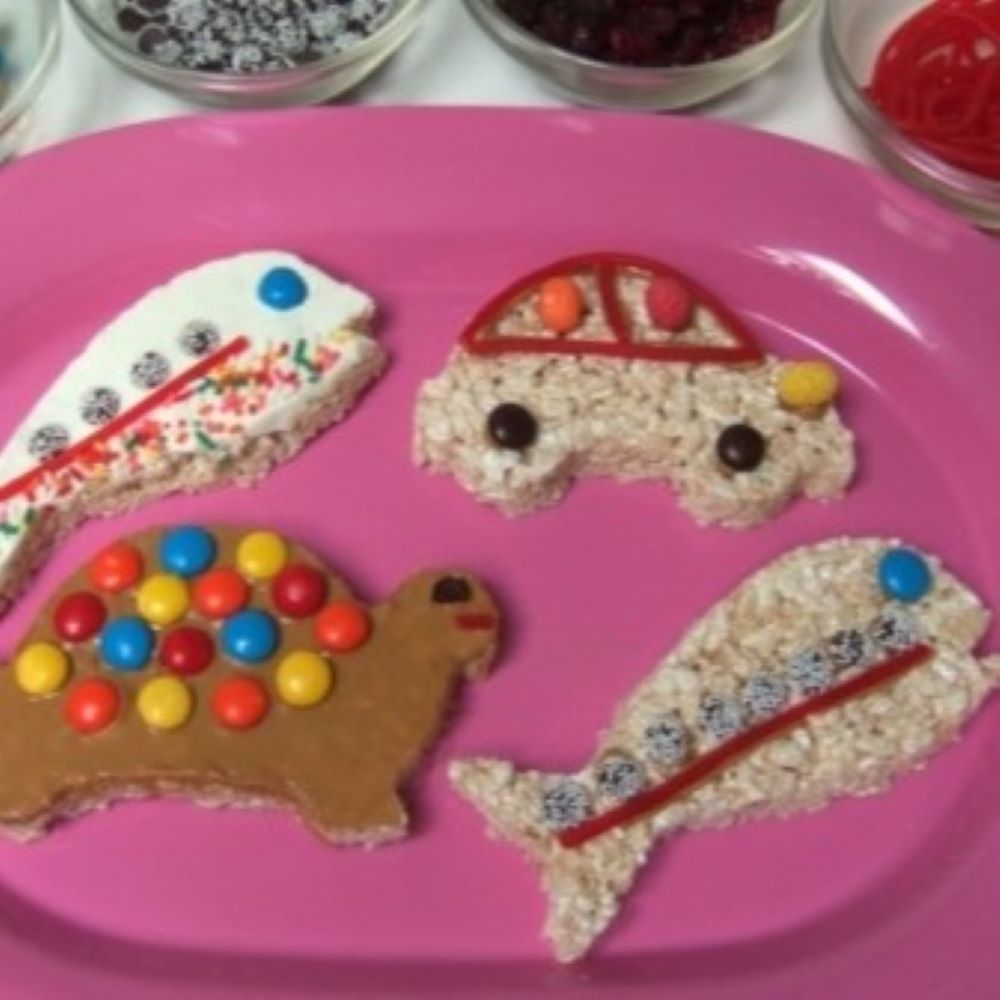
(214, 378)
(234, 668)
(830, 672)
(615, 365)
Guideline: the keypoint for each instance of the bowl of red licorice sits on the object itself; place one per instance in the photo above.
(921, 79)
(649, 55)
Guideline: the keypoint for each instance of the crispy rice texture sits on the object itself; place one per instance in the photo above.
(628, 420)
(854, 750)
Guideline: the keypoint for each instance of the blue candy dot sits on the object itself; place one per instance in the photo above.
(187, 551)
(127, 644)
(904, 575)
(283, 289)
(250, 636)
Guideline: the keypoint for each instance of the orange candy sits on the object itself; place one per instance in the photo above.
(92, 705)
(560, 304)
(220, 593)
(240, 702)
(116, 568)
(342, 626)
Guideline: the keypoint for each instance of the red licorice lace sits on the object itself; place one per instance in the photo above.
(938, 79)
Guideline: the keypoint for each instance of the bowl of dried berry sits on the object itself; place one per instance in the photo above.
(921, 80)
(250, 53)
(644, 54)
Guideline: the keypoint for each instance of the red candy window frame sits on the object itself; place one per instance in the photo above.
(478, 338)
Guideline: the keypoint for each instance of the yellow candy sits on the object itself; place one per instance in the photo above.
(163, 599)
(165, 703)
(303, 679)
(808, 385)
(41, 668)
(262, 555)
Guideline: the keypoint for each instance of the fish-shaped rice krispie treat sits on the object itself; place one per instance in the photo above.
(829, 673)
(214, 378)
(615, 365)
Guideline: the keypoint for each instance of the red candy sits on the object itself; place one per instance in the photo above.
(240, 702)
(342, 626)
(117, 568)
(79, 617)
(92, 705)
(669, 303)
(299, 591)
(187, 650)
(220, 593)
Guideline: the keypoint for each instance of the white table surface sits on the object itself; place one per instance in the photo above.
(448, 61)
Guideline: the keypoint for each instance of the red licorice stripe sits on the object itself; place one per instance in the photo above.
(478, 337)
(723, 755)
(475, 622)
(123, 420)
(607, 287)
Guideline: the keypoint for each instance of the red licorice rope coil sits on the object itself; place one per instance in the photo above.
(937, 79)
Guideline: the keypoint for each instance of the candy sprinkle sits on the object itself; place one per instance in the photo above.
(247, 36)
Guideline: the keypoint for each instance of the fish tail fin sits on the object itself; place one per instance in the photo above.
(583, 885)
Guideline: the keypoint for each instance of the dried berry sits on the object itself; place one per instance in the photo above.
(647, 32)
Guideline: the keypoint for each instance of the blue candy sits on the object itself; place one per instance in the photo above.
(126, 644)
(904, 575)
(283, 289)
(250, 636)
(187, 551)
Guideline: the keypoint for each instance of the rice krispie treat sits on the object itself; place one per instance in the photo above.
(829, 673)
(613, 365)
(214, 378)
(233, 667)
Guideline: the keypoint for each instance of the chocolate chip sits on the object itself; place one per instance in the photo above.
(451, 590)
(511, 426)
(741, 448)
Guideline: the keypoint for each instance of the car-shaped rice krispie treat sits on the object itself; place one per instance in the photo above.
(615, 365)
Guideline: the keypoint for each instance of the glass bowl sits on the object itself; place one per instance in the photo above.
(854, 31)
(650, 88)
(29, 39)
(309, 83)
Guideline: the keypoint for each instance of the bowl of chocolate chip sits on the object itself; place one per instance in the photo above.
(250, 53)
(654, 55)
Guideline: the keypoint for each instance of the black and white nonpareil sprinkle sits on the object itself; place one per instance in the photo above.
(247, 36)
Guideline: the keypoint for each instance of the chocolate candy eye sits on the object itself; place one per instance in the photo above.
(511, 426)
(741, 447)
(451, 590)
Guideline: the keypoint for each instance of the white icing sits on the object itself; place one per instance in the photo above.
(223, 293)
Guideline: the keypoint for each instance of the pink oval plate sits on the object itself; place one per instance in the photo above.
(434, 211)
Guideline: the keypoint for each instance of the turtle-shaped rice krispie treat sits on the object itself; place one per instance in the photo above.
(615, 365)
(234, 668)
